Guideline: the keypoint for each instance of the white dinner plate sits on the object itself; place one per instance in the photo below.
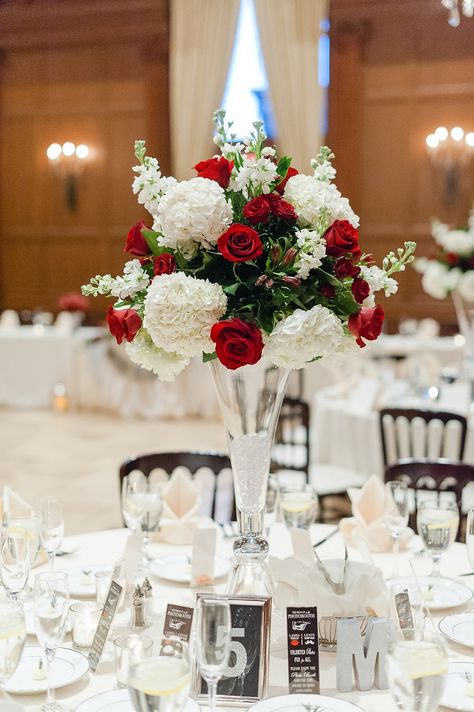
(68, 667)
(455, 695)
(439, 593)
(82, 580)
(459, 628)
(176, 568)
(118, 701)
(301, 703)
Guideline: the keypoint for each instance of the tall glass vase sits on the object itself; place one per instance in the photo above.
(465, 317)
(250, 399)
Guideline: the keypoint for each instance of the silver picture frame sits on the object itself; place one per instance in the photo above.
(243, 700)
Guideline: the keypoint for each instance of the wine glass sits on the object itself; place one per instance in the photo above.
(437, 523)
(470, 536)
(299, 505)
(12, 637)
(15, 562)
(213, 634)
(417, 666)
(50, 612)
(152, 510)
(161, 683)
(133, 488)
(51, 526)
(28, 522)
(396, 515)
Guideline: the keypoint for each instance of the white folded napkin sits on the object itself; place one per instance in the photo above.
(367, 522)
(203, 555)
(181, 503)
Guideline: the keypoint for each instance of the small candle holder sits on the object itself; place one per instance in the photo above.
(85, 618)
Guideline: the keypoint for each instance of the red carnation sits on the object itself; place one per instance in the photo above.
(237, 343)
(240, 243)
(367, 324)
(123, 323)
(345, 268)
(257, 210)
(164, 264)
(136, 243)
(360, 289)
(341, 238)
(280, 187)
(218, 169)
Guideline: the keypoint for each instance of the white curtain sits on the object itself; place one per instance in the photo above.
(202, 39)
(289, 33)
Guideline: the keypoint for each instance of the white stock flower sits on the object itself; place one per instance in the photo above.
(254, 174)
(377, 279)
(304, 336)
(192, 213)
(324, 171)
(438, 281)
(134, 280)
(465, 286)
(309, 196)
(458, 241)
(143, 352)
(180, 311)
(150, 184)
(312, 250)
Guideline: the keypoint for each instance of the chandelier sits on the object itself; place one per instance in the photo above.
(454, 18)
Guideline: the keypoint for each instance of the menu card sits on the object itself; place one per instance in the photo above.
(103, 627)
(178, 621)
(303, 650)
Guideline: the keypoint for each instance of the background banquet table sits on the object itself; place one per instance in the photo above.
(105, 547)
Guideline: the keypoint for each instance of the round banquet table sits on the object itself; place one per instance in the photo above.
(105, 547)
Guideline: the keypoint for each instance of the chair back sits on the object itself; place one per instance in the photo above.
(428, 476)
(291, 448)
(211, 471)
(420, 434)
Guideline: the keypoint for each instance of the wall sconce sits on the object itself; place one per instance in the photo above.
(450, 153)
(67, 162)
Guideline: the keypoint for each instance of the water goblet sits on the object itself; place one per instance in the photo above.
(130, 650)
(299, 505)
(161, 683)
(396, 515)
(437, 523)
(28, 522)
(133, 489)
(470, 536)
(152, 511)
(51, 526)
(50, 613)
(12, 637)
(213, 635)
(15, 562)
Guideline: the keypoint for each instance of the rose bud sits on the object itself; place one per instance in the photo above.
(261, 280)
(293, 281)
(289, 256)
(275, 254)
(269, 283)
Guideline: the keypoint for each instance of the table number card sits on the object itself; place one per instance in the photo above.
(178, 621)
(104, 624)
(303, 650)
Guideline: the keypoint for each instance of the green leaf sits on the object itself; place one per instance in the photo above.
(231, 288)
(151, 240)
(283, 165)
(208, 357)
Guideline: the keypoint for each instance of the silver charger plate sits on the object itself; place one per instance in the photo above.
(68, 667)
(118, 701)
(455, 695)
(459, 628)
(177, 569)
(301, 703)
(439, 593)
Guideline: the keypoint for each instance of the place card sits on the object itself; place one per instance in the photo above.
(404, 614)
(103, 627)
(203, 555)
(302, 546)
(178, 621)
(303, 650)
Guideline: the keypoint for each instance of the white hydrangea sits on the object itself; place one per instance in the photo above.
(143, 352)
(378, 279)
(150, 184)
(180, 311)
(254, 175)
(309, 196)
(192, 213)
(134, 280)
(438, 281)
(458, 241)
(465, 286)
(312, 251)
(304, 336)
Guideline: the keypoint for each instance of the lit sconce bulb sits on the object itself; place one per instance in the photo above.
(457, 133)
(432, 141)
(469, 139)
(53, 151)
(441, 133)
(82, 151)
(69, 148)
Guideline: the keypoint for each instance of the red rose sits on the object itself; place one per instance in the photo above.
(257, 210)
(240, 243)
(280, 187)
(237, 343)
(123, 323)
(340, 238)
(164, 264)
(136, 243)
(360, 289)
(328, 291)
(281, 208)
(218, 169)
(367, 324)
(345, 268)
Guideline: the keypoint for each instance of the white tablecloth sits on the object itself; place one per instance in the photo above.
(105, 547)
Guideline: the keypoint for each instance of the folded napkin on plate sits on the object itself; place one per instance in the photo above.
(16, 507)
(367, 522)
(181, 502)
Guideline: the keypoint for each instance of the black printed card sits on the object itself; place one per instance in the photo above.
(303, 650)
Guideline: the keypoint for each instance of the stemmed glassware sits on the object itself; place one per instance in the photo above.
(470, 536)
(152, 511)
(51, 526)
(396, 513)
(213, 635)
(161, 683)
(12, 637)
(50, 610)
(437, 523)
(133, 489)
(15, 562)
(27, 522)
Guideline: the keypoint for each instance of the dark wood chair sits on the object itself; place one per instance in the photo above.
(218, 495)
(291, 450)
(419, 434)
(438, 476)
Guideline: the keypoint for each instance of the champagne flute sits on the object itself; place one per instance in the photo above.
(133, 488)
(50, 612)
(161, 683)
(470, 536)
(51, 526)
(437, 524)
(27, 522)
(15, 563)
(213, 634)
(152, 510)
(12, 637)
(396, 515)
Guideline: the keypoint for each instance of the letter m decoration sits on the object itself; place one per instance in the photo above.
(365, 659)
